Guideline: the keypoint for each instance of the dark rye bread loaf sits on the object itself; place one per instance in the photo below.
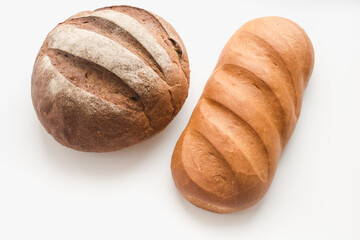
(110, 78)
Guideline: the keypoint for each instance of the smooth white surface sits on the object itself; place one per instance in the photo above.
(50, 192)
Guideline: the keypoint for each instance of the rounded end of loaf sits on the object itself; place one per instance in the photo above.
(204, 178)
(288, 38)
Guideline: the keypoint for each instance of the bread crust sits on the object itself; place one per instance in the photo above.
(106, 79)
(226, 157)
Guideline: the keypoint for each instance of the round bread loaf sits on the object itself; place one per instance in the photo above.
(110, 78)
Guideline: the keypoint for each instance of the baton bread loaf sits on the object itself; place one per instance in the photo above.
(226, 157)
(109, 78)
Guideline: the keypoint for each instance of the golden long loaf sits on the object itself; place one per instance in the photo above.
(226, 157)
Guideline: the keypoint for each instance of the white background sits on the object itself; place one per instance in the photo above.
(50, 192)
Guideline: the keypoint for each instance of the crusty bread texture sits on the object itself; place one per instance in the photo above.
(109, 78)
(226, 157)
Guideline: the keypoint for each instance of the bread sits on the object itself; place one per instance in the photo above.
(110, 78)
(226, 157)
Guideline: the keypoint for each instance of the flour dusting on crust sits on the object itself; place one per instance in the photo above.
(59, 85)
